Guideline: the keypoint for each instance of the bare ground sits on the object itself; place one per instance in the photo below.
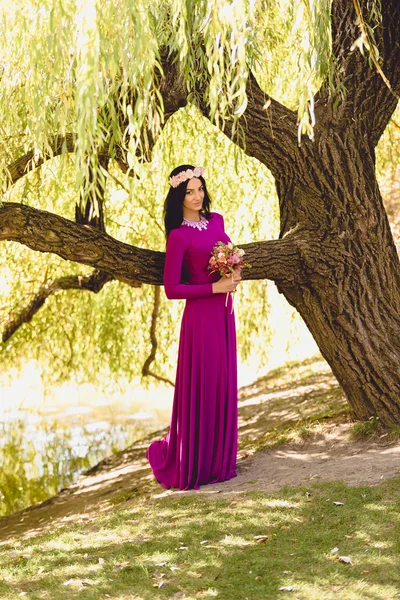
(325, 452)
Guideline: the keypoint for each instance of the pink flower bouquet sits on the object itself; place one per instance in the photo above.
(226, 259)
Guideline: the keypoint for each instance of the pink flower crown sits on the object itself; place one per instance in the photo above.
(184, 175)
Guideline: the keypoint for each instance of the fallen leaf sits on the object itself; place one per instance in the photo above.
(158, 575)
(122, 566)
(78, 582)
(260, 538)
(161, 564)
(365, 572)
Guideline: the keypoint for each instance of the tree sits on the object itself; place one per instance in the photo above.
(335, 260)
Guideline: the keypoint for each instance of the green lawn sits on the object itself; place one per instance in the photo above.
(200, 546)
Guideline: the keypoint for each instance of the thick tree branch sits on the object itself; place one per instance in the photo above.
(279, 260)
(94, 282)
(270, 130)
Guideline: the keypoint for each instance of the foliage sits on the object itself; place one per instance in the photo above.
(94, 67)
(388, 161)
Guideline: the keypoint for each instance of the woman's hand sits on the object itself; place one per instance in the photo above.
(227, 284)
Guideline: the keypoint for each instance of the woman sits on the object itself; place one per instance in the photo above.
(201, 445)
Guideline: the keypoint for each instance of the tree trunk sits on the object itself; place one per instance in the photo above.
(349, 292)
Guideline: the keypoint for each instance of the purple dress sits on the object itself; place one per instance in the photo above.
(201, 444)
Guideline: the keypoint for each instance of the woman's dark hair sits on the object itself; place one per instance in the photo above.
(173, 205)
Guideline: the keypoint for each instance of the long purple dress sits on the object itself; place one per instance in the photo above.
(201, 444)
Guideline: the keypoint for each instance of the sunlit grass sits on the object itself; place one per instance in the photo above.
(230, 548)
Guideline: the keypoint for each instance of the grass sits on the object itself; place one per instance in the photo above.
(201, 547)
(372, 429)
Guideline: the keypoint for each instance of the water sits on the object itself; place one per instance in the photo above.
(48, 437)
(46, 442)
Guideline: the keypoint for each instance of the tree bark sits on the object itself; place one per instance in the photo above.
(349, 296)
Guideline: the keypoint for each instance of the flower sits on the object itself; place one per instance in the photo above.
(184, 175)
(225, 258)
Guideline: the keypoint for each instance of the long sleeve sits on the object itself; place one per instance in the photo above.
(174, 289)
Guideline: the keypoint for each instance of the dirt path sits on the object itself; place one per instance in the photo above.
(329, 454)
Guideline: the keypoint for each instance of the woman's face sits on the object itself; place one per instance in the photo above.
(194, 195)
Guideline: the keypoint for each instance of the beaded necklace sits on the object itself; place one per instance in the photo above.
(202, 224)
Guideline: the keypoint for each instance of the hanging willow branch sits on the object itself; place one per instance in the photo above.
(153, 339)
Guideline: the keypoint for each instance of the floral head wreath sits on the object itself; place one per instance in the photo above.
(184, 175)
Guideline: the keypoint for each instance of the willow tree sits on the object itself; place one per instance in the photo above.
(100, 80)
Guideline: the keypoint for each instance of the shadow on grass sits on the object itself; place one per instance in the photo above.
(299, 391)
(198, 549)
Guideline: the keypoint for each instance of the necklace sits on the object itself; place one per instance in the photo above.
(202, 224)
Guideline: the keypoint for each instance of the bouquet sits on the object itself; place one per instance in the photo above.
(225, 259)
